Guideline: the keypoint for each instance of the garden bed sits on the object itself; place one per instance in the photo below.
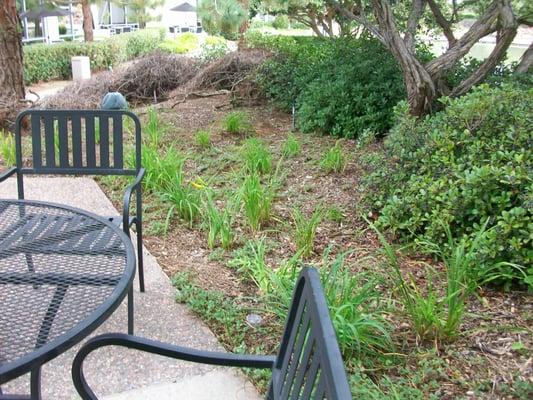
(490, 357)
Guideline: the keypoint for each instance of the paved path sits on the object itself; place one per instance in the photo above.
(157, 316)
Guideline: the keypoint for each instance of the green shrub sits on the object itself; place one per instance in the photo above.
(237, 122)
(181, 44)
(464, 165)
(341, 86)
(44, 62)
(256, 156)
(281, 22)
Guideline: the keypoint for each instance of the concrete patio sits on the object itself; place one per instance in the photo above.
(124, 374)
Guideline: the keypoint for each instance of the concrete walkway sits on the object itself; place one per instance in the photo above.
(157, 316)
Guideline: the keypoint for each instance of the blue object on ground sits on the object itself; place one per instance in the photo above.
(114, 101)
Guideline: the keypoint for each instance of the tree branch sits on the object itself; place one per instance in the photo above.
(361, 19)
(443, 22)
(507, 26)
(412, 23)
(526, 61)
(484, 25)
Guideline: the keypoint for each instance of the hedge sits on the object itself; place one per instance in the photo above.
(45, 62)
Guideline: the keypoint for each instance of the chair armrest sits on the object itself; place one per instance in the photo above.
(163, 349)
(127, 198)
(6, 174)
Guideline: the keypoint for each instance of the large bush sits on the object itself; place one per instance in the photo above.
(464, 167)
(339, 86)
(44, 62)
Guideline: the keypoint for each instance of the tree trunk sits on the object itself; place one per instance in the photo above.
(421, 91)
(87, 20)
(11, 67)
(244, 26)
(526, 61)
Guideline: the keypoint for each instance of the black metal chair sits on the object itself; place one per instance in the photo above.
(308, 366)
(62, 145)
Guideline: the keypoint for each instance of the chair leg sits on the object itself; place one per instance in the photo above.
(140, 255)
(130, 311)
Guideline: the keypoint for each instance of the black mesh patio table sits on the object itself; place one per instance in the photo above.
(63, 271)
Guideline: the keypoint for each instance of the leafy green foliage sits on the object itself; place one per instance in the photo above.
(185, 200)
(465, 165)
(222, 18)
(7, 148)
(153, 128)
(257, 200)
(291, 146)
(334, 160)
(281, 22)
(213, 48)
(305, 230)
(203, 138)
(434, 317)
(181, 44)
(250, 262)
(218, 223)
(256, 157)
(341, 86)
(237, 122)
(44, 62)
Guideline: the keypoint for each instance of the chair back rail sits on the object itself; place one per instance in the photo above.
(309, 363)
(77, 142)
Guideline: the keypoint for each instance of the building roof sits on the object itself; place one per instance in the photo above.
(184, 7)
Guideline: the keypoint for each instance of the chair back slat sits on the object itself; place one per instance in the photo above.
(77, 152)
(104, 141)
(63, 141)
(79, 142)
(118, 149)
(309, 364)
(49, 142)
(90, 141)
(36, 142)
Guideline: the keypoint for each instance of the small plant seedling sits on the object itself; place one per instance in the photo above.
(291, 146)
(7, 148)
(203, 138)
(305, 230)
(237, 122)
(334, 214)
(153, 128)
(334, 160)
(256, 156)
(257, 201)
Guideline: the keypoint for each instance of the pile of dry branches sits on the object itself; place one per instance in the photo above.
(159, 76)
(150, 78)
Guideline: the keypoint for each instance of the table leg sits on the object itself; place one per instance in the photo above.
(130, 311)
